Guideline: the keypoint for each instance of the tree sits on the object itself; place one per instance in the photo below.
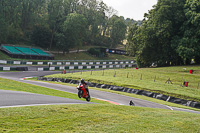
(188, 46)
(41, 36)
(73, 30)
(154, 39)
(3, 30)
(118, 30)
(57, 11)
(19, 17)
(60, 42)
(131, 46)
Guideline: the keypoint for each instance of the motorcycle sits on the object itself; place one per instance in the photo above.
(83, 93)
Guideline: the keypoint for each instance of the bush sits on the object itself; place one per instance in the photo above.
(94, 51)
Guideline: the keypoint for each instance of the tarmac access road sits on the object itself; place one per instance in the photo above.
(102, 95)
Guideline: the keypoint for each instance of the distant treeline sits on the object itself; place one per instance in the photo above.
(169, 35)
(60, 24)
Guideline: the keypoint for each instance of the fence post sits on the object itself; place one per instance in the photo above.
(114, 74)
(141, 77)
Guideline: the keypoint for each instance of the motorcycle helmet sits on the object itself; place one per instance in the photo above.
(82, 81)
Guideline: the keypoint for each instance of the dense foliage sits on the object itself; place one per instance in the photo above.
(60, 24)
(169, 35)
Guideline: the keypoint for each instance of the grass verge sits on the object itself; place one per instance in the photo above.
(144, 79)
(96, 118)
(90, 118)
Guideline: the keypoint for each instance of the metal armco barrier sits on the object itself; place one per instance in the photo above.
(13, 68)
(111, 62)
(69, 65)
(87, 67)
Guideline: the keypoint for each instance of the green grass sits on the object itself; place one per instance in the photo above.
(4, 56)
(135, 81)
(86, 56)
(97, 118)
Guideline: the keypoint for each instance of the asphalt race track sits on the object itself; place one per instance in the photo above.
(25, 99)
(18, 99)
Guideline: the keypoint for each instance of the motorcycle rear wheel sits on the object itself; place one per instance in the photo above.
(88, 98)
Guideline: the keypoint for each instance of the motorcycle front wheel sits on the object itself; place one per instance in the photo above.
(80, 93)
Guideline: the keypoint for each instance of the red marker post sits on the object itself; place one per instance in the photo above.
(186, 84)
(191, 71)
(64, 72)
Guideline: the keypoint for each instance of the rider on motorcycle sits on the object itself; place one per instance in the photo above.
(85, 85)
